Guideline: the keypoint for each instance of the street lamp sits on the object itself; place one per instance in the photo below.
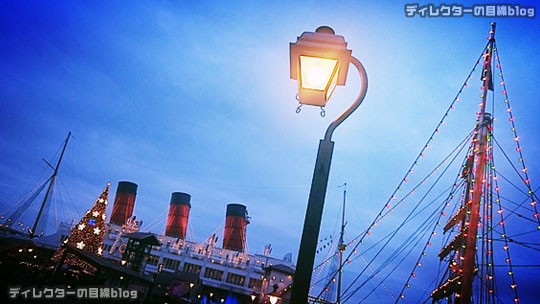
(319, 61)
(274, 295)
(273, 298)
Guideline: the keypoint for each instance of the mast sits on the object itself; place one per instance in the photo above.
(51, 183)
(484, 124)
(463, 269)
(341, 246)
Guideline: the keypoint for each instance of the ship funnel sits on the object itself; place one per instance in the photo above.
(178, 215)
(123, 202)
(236, 221)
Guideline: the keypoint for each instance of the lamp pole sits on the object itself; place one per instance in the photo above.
(317, 193)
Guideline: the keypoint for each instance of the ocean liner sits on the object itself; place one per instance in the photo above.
(163, 268)
(205, 272)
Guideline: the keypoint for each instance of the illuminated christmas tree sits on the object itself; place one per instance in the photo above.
(88, 234)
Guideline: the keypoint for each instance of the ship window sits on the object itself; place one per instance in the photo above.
(255, 283)
(171, 264)
(214, 274)
(192, 268)
(152, 260)
(235, 279)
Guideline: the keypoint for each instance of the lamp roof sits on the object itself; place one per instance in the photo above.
(325, 44)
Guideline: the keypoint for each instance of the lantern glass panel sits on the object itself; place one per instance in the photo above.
(333, 83)
(316, 73)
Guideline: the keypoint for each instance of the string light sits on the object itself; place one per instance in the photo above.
(505, 247)
(428, 243)
(526, 180)
(380, 216)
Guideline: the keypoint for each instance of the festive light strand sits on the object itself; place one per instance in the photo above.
(428, 242)
(55, 207)
(424, 148)
(64, 202)
(399, 227)
(321, 269)
(506, 248)
(25, 196)
(458, 149)
(418, 235)
(480, 113)
(525, 180)
(381, 282)
(354, 251)
(490, 275)
(425, 228)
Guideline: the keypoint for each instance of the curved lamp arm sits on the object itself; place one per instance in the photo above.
(355, 105)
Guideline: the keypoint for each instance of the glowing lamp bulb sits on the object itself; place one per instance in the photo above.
(273, 299)
(319, 74)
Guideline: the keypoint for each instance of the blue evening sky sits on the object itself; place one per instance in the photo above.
(195, 96)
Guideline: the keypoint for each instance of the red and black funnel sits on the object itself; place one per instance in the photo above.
(236, 221)
(124, 202)
(177, 220)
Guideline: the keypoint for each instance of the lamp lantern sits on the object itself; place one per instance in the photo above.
(274, 298)
(320, 62)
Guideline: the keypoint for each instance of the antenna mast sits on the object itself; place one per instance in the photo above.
(341, 246)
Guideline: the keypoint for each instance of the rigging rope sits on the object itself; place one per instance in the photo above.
(526, 180)
(399, 227)
(71, 218)
(417, 237)
(428, 242)
(39, 186)
(380, 216)
(506, 248)
(389, 234)
(459, 148)
(24, 207)
(420, 154)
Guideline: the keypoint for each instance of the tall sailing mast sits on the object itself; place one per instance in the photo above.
(51, 183)
(460, 283)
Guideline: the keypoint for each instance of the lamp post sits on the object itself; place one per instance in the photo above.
(274, 296)
(319, 61)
